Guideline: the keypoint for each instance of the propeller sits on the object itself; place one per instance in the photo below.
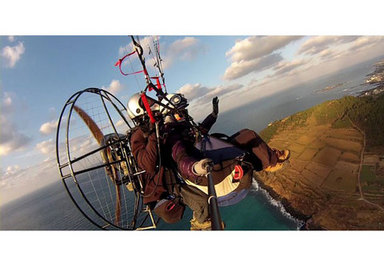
(106, 155)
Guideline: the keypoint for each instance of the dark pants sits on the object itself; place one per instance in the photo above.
(196, 200)
(261, 155)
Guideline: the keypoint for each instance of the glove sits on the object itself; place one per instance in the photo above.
(215, 105)
(147, 129)
(202, 167)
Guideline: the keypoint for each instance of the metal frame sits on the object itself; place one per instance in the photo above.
(126, 157)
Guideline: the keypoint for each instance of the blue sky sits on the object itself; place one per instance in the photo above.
(39, 73)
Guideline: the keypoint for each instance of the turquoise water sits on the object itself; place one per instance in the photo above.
(255, 212)
(51, 209)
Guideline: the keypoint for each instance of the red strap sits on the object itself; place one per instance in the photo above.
(120, 62)
(157, 83)
(146, 105)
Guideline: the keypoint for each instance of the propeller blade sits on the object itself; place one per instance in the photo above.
(116, 178)
(95, 130)
(99, 136)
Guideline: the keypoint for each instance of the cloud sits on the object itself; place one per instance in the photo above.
(10, 137)
(114, 87)
(255, 54)
(317, 44)
(13, 54)
(200, 97)
(12, 169)
(48, 127)
(187, 48)
(286, 66)
(365, 42)
(255, 47)
(241, 68)
(11, 38)
(46, 147)
(7, 103)
(193, 91)
(197, 92)
(144, 42)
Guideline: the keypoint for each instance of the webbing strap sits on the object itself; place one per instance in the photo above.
(146, 105)
(120, 62)
(157, 83)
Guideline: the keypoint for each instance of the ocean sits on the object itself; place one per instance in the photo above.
(51, 208)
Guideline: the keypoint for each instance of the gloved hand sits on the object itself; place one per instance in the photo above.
(148, 129)
(215, 105)
(202, 167)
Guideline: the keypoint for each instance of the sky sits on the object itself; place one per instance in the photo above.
(39, 73)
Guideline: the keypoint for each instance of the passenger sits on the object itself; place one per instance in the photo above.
(178, 137)
(159, 184)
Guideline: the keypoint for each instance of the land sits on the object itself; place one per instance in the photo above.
(335, 177)
(328, 88)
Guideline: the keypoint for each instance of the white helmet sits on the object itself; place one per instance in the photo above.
(176, 100)
(136, 107)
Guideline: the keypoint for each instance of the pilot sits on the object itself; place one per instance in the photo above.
(159, 180)
(177, 138)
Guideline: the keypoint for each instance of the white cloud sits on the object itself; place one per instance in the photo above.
(48, 127)
(365, 42)
(200, 97)
(13, 54)
(11, 38)
(318, 44)
(290, 67)
(187, 48)
(243, 67)
(255, 54)
(21, 181)
(198, 93)
(10, 137)
(144, 42)
(114, 87)
(193, 91)
(46, 147)
(7, 103)
(255, 47)
(12, 169)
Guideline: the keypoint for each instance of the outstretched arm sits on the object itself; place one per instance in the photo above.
(208, 122)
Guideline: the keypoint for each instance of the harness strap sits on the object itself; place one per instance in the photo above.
(157, 83)
(147, 108)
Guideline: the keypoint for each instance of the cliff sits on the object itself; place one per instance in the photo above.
(335, 176)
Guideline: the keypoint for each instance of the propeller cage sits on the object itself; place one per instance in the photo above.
(95, 162)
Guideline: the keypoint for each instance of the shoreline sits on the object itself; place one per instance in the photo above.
(307, 219)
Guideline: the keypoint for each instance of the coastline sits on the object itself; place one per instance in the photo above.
(307, 219)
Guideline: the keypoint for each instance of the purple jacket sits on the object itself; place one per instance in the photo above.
(144, 150)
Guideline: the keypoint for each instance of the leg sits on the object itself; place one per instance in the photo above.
(251, 141)
(196, 200)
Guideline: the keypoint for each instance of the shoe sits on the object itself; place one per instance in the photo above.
(282, 155)
(196, 225)
(274, 168)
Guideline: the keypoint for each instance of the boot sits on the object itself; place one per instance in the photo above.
(274, 168)
(196, 225)
(206, 225)
(282, 155)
